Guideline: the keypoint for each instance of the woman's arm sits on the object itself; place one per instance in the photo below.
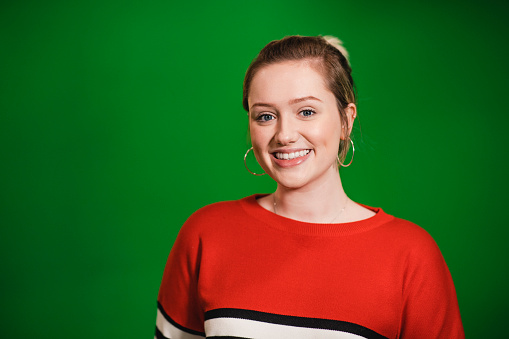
(179, 314)
(430, 307)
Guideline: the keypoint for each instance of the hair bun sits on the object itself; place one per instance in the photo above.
(338, 44)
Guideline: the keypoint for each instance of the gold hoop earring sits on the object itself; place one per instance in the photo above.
(353, 153)
(245, 163)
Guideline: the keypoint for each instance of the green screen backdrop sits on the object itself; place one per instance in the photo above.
(118, 119)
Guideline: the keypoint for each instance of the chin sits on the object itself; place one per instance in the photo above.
(291, 181)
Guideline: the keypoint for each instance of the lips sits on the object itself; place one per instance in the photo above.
(290, 158)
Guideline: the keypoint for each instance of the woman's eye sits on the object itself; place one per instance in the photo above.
(307, 112)
(265, 117)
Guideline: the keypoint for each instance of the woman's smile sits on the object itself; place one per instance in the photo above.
(290, 158)
(294, 123)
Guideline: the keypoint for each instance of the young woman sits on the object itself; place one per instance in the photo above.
(304, 261)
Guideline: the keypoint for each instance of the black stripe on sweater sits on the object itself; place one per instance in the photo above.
(317, 323)
(159, 335)
(180, 327)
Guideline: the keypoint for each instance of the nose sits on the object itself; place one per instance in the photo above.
(286, 131)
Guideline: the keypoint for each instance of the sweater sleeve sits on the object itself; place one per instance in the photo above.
(179, 313)
(430, 307)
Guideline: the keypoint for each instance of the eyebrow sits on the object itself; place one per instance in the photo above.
(291, 102)
(310, 97)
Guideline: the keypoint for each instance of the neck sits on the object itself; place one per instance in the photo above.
(324, 202)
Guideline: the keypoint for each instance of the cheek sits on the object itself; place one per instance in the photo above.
(259, 137)
(327, 135)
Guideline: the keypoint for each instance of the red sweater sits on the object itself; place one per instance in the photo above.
(239, 270)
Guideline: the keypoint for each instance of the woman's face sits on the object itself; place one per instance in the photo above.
(294, 124)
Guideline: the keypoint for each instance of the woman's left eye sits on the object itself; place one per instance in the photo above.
(307, 112)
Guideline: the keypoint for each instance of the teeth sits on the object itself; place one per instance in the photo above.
(290, 156)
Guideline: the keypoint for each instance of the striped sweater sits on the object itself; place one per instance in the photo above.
(237, 270)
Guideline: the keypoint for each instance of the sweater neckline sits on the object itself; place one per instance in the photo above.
(251, 206)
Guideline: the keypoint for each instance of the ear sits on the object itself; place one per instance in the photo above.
(351, 114)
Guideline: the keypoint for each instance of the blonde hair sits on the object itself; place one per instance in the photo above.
(338, 44)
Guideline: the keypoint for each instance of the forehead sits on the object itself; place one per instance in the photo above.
(286, 80)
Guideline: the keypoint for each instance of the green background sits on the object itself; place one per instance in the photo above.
(118, 119)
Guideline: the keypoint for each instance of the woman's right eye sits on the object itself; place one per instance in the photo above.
(265, 117)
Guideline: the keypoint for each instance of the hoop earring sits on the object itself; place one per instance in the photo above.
(353, 153)
(245, 163)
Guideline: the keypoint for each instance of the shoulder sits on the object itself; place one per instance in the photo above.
(413, 240)
(214, 217)
(408, 231)
(218, 211)
(207, 223)
(420, 252)
(215, 210)
(427, 287)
